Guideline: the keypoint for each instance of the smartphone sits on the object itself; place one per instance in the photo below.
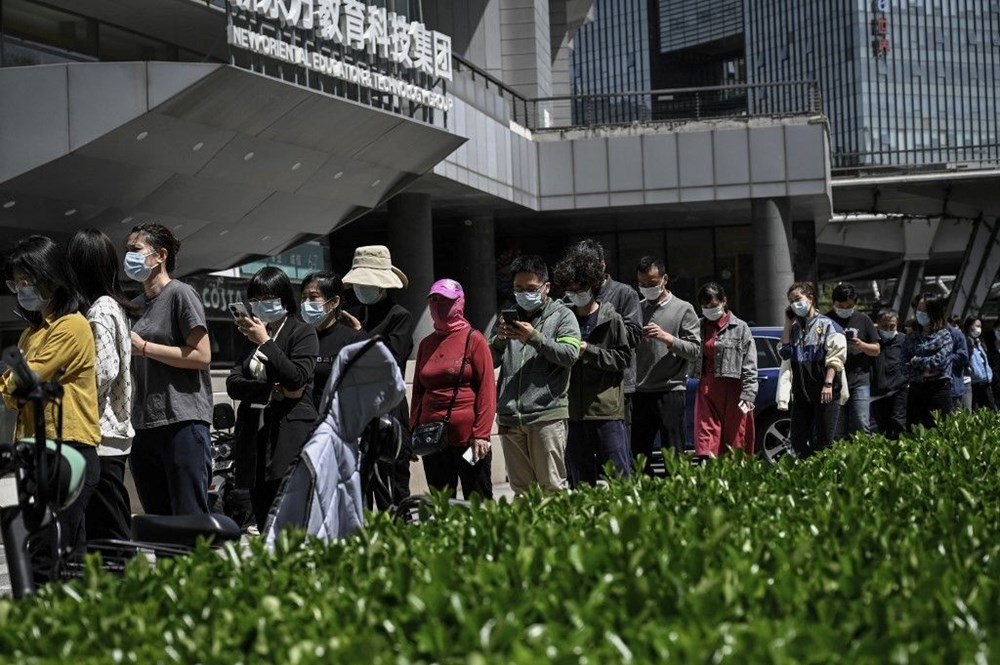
(851, 333)
(509, 316)
(238, 309)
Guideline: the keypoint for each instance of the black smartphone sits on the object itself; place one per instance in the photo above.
(509, 316)
(851, 333)
(789, 314)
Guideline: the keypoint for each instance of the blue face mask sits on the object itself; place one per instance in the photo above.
(887, 335)
(579, 298)
(529, 301)
(923, 319)
(269, 310)
(135, 266)
(30, 299)
(314, 313)
(367, 295)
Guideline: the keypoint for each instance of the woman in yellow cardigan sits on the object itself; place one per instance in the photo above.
(57, 342)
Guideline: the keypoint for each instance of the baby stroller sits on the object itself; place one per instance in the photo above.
(322, 493)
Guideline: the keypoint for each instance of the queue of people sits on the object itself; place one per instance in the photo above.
(578, 386)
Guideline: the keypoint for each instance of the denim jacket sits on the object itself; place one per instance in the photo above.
(735, 355)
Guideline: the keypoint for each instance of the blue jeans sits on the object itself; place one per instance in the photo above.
(857, 411)
(171, 466)
(590, 444)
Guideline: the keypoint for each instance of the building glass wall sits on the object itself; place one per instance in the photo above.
(688, 23)
(611, 55)
(903, 81)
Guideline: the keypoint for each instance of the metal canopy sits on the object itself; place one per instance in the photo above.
(237, 164)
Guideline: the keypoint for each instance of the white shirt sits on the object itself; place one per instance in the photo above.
(114, 378)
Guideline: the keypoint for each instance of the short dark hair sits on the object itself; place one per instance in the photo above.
(808, 289)
(532, 263)
(329, 283)
(888, 313)
(274, 282)
(845, 291)
(160, 237)
(592, 245)
(41, 260)
(93, 257)
(647, 263)
(710, 291)
(579, 266)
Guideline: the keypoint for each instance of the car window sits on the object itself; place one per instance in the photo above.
(767, 352)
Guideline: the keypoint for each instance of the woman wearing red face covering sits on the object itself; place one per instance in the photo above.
(439, 360)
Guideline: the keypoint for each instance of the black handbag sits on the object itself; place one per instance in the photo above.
(430, 438)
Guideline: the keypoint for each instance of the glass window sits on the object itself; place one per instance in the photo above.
(117, 44)
(690, 260)
(44, 25)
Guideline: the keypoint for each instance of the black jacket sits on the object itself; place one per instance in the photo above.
(888, 375)
(266, 446)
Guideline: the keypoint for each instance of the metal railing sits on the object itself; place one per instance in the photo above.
(517, 105)
(933, 158)
(673, 105)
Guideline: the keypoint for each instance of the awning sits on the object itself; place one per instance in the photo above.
(239, 165)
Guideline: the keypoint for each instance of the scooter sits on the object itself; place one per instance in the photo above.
(49, 478)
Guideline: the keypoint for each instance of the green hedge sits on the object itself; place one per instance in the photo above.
(875, 551)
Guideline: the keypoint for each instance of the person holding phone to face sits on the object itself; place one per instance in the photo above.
(273, 382)
(816, 350)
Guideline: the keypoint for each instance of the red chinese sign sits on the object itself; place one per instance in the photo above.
(880, 29)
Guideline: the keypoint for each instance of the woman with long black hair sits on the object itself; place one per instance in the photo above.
(322, 307)
(928, 355)
(273, 381)
(58, 343)
(93, 257)
(171, 451)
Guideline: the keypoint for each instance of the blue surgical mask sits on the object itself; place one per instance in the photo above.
(923, 319)
(801, 307)
(135, 266)
(529, 301)
(844, 313)
(367, 295)
(314, 313)
(887, 335)
(30, 299)
(579, 298)
(269, 310)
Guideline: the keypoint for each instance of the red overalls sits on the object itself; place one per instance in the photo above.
(719, 424)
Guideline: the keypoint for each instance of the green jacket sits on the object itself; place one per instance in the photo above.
(596, 385)
(534, 376)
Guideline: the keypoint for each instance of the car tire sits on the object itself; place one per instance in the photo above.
(772, 442)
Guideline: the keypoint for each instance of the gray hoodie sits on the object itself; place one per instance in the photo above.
(533, 382)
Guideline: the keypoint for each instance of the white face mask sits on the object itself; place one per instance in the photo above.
(579, 298)
(844, 313)
(651, 292)
(713, 313)
(975, 332)
(801, 307)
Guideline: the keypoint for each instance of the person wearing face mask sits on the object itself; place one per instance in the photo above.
(862, 347)
(273, 382)
(454, 346)
(669, 347)
(373, 277)
(597, 432)
(58, 342)
(979, 367)
(723, 406)
(172, 402)
(889, 382)
(322, 308)
(536, 350)
(928, 359)
(815, 350)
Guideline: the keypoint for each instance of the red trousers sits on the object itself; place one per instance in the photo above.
(719, 423)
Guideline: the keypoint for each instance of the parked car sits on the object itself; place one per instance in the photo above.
(771, 424)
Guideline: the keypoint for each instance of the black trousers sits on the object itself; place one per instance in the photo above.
(925, 398)
(982, 396)
(109, 513)
(445, 469)
(813, 426)
(657, 413)
(890, 413)
(172, 466)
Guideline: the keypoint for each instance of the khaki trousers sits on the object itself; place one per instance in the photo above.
(536, 454)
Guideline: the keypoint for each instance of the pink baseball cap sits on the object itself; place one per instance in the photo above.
(448, 288)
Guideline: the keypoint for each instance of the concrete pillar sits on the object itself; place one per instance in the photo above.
(772, 259)
(804, 263)
(411, 242)
(478, 270)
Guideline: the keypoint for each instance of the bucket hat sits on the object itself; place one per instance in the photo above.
(372, 266)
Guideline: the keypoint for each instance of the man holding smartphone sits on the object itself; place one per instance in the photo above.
(535, 346)
(862, 346)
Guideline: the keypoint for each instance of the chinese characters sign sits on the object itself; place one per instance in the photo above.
(355, 29)
(880, 29)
